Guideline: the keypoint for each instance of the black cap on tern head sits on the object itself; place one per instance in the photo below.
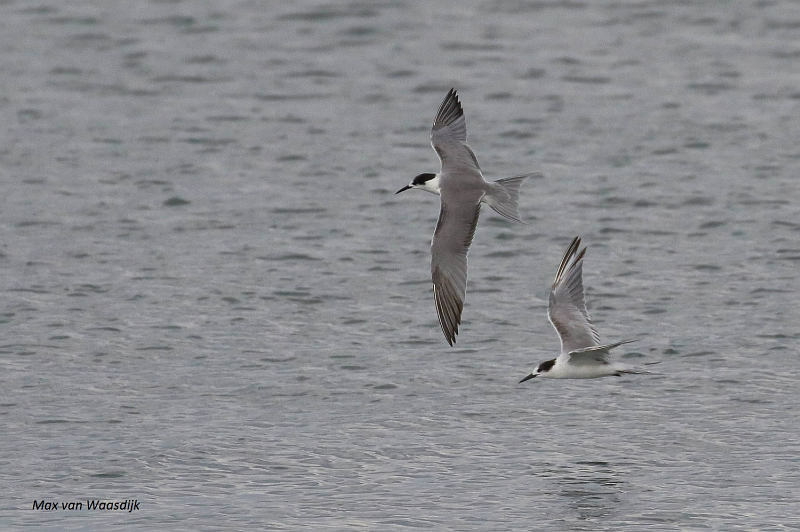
(421, 179)
(543, 367)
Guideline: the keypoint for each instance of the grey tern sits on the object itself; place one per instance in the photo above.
(462, 188)
(582, 355)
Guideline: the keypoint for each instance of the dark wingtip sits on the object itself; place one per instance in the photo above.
(567, 258)
(449, 110)
(450, 336)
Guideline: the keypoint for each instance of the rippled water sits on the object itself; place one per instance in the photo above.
(214, 304)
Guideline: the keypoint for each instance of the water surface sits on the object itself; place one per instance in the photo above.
(215, 304)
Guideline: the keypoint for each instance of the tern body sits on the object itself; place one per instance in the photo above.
(582, 355)
(462, 188)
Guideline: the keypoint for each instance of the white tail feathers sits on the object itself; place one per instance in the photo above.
(503, 196)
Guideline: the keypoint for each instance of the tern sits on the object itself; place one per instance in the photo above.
(582, 355)
(462, 188)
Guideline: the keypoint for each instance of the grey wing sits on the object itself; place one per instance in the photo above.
(451, 241)
(595, 354)
(449, 136)
(567, 311)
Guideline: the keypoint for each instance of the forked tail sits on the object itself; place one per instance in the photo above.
(638, 370)
(621, 372)
(504, 196)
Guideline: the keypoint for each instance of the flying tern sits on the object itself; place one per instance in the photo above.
(462, 188)
(582, 355)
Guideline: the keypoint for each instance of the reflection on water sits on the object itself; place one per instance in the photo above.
(591, 489)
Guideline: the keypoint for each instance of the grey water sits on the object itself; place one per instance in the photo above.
(214, 304)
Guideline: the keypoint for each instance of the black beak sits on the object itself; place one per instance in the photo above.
(404, 188)
(526, 378)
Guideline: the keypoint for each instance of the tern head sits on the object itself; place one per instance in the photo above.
(541, 369)
(428, 182)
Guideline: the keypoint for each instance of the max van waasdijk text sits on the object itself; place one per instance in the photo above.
(128, 505)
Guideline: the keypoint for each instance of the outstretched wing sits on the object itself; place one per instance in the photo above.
(451, 240)
(567, 310)
(449, 137)
(595, 354)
